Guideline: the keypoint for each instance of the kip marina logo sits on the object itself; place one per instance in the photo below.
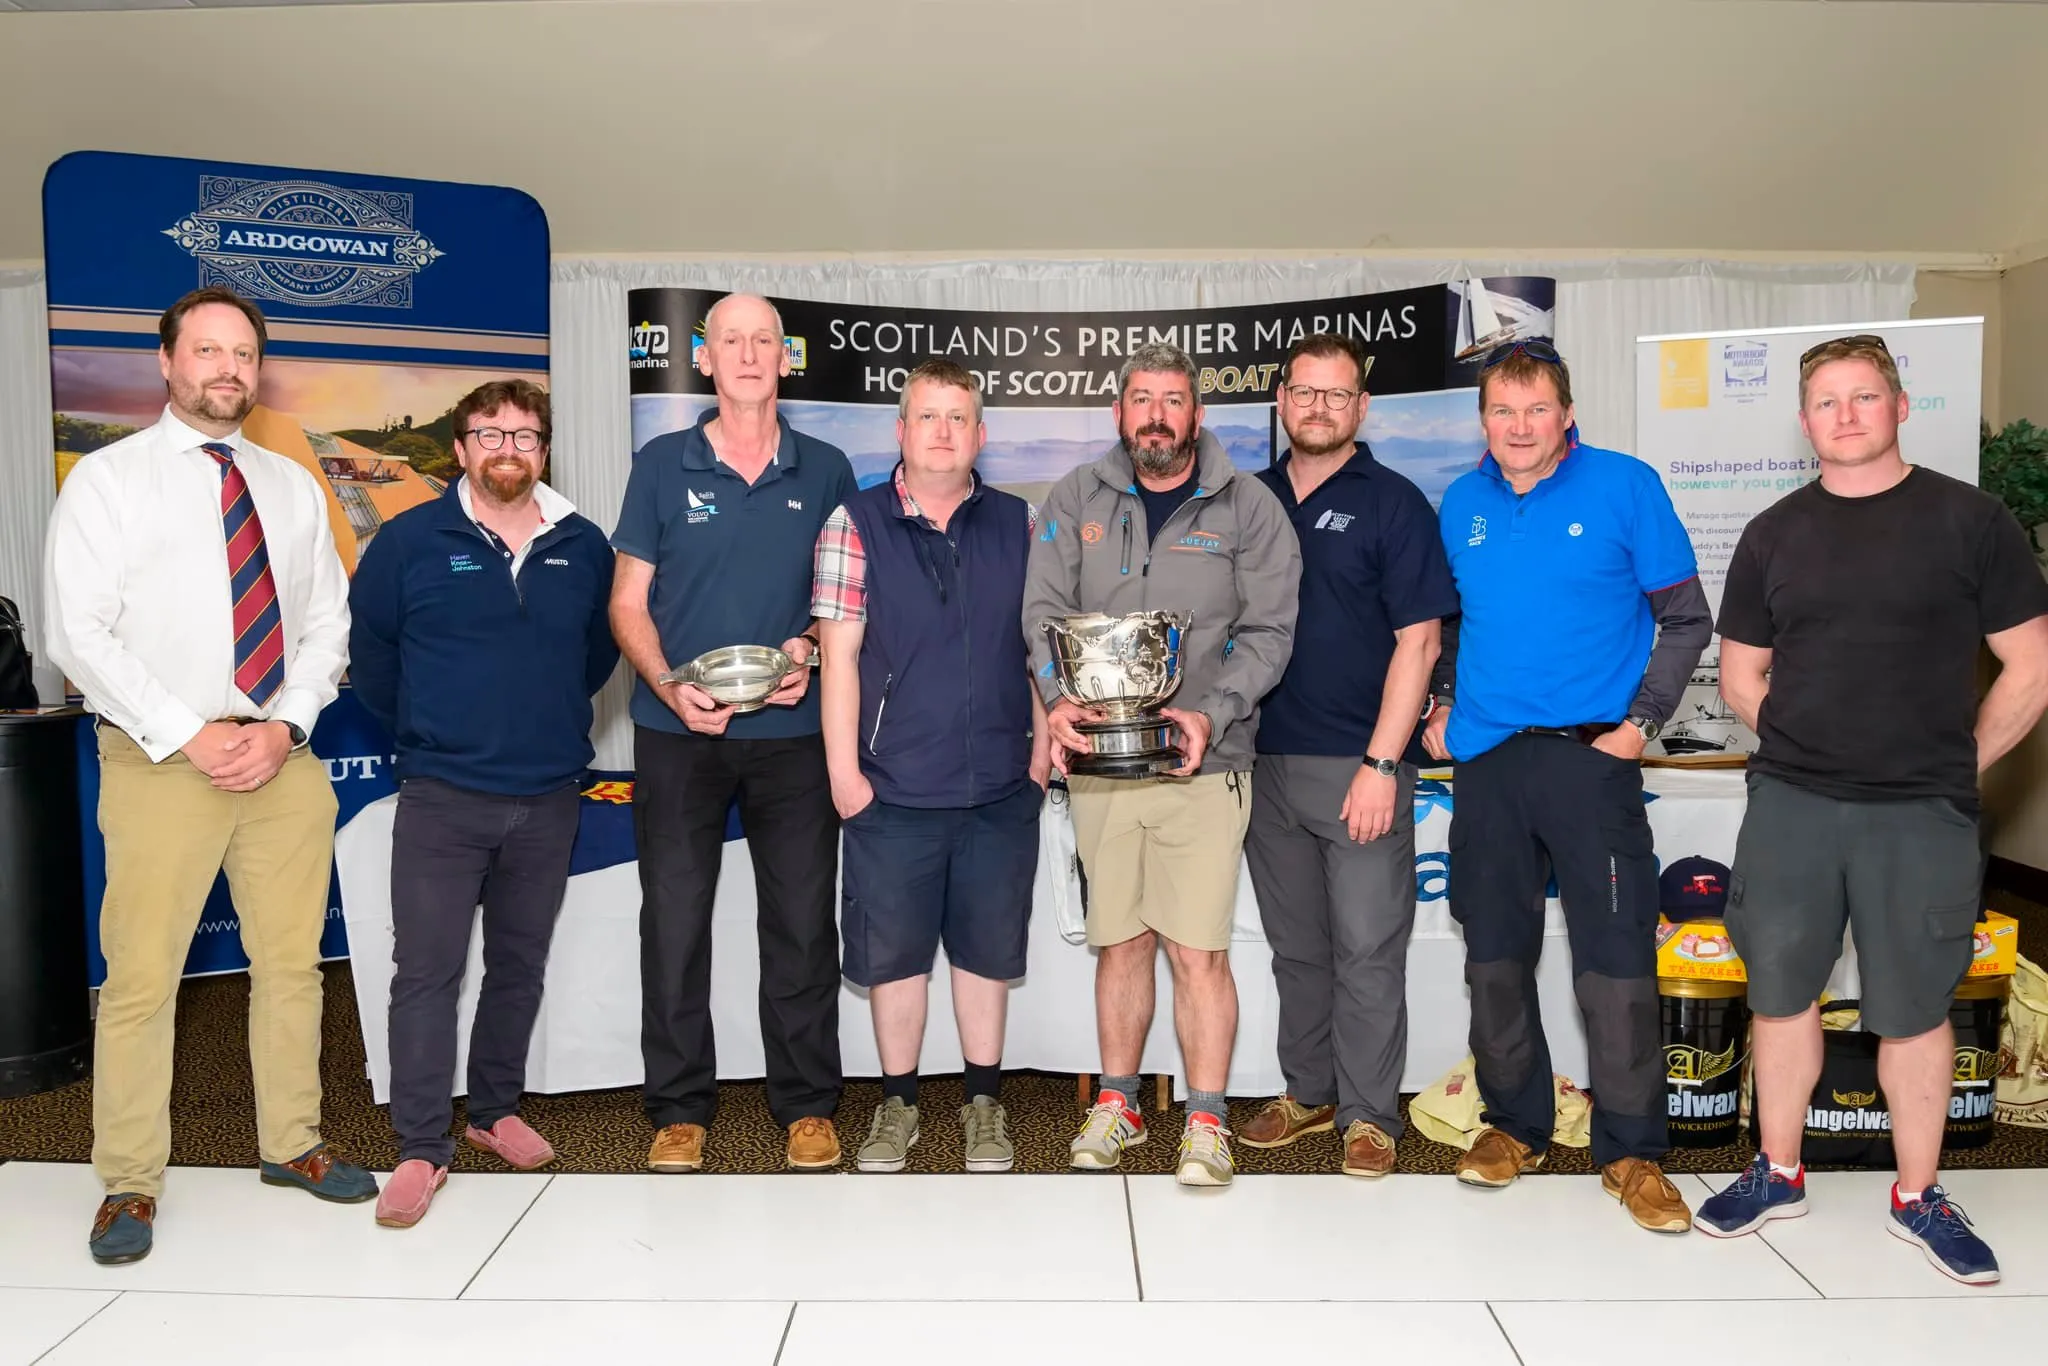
(304, 243)
(647, 348)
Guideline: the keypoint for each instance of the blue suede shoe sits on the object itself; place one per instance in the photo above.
(122, 1231)
(1751, 1200)
(1937, 1226)
(321, 1173)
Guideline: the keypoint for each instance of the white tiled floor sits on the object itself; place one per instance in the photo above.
(797, 1271)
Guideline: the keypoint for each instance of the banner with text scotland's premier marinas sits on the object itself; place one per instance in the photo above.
(386, 301)
(1048, 378)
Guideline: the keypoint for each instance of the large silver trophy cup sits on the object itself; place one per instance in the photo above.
(1128, 666)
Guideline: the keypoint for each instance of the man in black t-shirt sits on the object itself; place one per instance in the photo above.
(1850, 624)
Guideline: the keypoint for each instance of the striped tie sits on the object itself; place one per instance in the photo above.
(259, 626)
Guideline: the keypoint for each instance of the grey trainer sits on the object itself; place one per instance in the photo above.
(986, 1127)
(1108, 1129)
(1205, 1158)
(890, 1138)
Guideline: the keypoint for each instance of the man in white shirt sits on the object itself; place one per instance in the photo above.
(195, 598)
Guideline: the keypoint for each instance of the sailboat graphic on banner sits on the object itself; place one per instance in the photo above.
(1488, 318)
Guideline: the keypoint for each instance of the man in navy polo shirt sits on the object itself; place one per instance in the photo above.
(478, 638)
(1332, 837)
(714, 544)
(1582, 620)
(936, 740)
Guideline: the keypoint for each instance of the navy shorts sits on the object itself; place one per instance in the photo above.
(1905, 877)
(913, 878)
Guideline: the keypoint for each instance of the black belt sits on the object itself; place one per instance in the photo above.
(1585, 734)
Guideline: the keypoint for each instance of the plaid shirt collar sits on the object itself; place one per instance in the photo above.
(909, 504)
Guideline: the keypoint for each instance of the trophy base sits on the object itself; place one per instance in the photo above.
(1138, 748)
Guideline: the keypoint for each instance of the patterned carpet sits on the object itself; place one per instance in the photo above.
(213, 1116)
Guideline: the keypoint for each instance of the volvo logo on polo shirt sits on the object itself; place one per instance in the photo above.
(1333, 521)
(648, 347)
(1478, 536)
(703, 506)
(302, 242)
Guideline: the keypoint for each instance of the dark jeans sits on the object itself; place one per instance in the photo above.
(682, 788)
(1531, 806)
(450, 849)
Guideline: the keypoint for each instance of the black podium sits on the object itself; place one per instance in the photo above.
(45, 1025)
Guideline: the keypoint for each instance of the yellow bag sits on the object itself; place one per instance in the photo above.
(2023, 1050)
(1448, 1112)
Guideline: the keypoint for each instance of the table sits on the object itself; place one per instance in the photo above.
(588, 1034)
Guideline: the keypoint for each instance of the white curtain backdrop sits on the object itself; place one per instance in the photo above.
(1602, 307)
(28, 474)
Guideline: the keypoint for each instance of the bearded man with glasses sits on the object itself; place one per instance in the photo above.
(1331, 843)
(479, 635)
(1582, 618)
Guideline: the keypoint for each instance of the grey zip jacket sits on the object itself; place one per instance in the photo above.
(1228, 555)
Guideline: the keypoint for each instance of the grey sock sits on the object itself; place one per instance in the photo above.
(1209, 1103)
(1127, 1087)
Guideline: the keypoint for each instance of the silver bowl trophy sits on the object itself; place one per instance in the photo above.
(742, 677)
(1128, 666)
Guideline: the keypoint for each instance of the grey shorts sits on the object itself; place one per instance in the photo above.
(1906, 875)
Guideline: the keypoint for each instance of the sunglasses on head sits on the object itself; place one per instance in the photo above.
(1534, 349)
(1860, 342)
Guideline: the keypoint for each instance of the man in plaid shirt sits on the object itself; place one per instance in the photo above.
(935, 740)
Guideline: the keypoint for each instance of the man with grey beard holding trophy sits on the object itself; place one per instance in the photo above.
(1159, 604)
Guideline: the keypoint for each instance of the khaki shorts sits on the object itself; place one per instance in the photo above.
(1161, 854)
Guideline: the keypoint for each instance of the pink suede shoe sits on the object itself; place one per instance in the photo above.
(513, 1139)
(403, 1201)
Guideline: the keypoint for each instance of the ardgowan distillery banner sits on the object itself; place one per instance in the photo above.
(1048, 379)
(386, 301)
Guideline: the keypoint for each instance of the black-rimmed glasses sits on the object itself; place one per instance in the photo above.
(493, 438)
(1305, 396)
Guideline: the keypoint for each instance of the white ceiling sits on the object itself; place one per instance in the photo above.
(1077, 126)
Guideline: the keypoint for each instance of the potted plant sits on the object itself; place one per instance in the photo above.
(2013, 467)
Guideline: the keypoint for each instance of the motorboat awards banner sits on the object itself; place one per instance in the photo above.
(1048, 378)
(1717, 416)
(386, 299)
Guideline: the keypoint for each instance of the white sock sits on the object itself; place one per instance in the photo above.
(1906, 1197)
(1789, 1173)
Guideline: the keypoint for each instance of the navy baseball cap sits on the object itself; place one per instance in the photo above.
(1693, 888)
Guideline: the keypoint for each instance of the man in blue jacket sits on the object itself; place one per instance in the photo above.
(479, 637)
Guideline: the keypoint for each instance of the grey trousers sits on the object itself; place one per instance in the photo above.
(1337, 915)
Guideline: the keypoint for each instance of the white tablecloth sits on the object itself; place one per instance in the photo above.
(588, 1033)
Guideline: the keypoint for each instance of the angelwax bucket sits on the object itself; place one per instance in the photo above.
(1706, 1034)
(1977, 1015)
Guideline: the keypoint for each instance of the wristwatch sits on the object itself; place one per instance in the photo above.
(298, 736)
(1386, 768)
(1650, 729)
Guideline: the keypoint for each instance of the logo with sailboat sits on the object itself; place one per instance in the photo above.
(1495, 310)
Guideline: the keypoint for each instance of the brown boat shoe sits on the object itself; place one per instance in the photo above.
(677, 1148)
(813, 1144)
(1647, 1194)
(1496, 1159)
(1282, 1120)
(1368, 1150)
